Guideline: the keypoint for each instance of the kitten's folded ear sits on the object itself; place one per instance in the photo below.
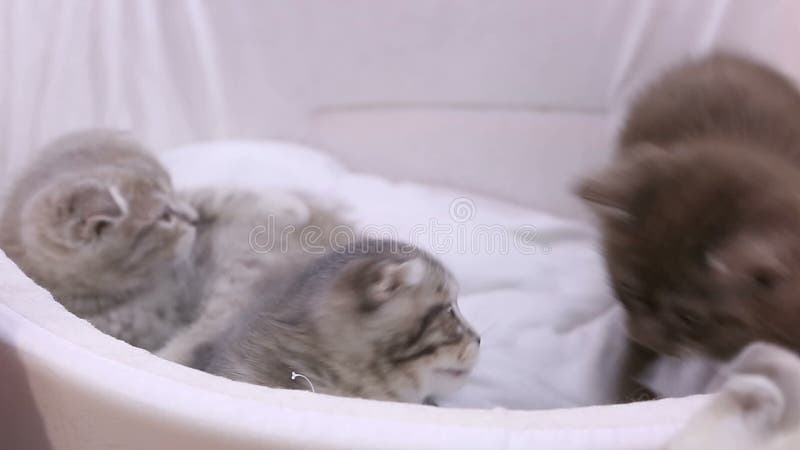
(611, 193)
(92, 207)
(387, 278)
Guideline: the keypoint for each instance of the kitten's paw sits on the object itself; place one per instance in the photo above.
(177, 350)
(640, 394)
(759, 400)
(777, 397)
(756, 406)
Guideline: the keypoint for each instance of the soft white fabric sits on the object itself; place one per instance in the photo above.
(551, 334)
(512, 100)
(679, 377)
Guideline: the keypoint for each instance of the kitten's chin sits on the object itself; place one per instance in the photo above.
(445, 384)
(451, 372)
(445, 380)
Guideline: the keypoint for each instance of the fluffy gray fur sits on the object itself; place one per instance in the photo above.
(377, 320)
(246, 238)
(95, 221)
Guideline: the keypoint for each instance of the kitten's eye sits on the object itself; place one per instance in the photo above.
(440, 288)
(764, 279)
(100, 226)
(166, 216)
(689, 318)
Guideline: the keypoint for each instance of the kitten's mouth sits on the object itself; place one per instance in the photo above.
(455, 373)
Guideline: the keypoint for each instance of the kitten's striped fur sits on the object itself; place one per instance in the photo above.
(379, 320)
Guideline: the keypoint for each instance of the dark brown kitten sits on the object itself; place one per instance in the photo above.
(701, 211)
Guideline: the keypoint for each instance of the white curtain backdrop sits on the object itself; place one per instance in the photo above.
(511, 98)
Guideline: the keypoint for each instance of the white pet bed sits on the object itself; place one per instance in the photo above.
(513, 101)
(550, 336)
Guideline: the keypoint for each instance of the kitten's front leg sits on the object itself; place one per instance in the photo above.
(216, 316)
(635, 360)
(233, 205)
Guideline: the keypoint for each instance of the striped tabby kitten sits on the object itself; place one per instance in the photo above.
(95, 221)
(378, 321)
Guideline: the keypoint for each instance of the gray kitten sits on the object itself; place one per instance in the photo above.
(95, 221)
(379, 320)
(246, 238)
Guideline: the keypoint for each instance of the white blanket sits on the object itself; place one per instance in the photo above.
(531, 284)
